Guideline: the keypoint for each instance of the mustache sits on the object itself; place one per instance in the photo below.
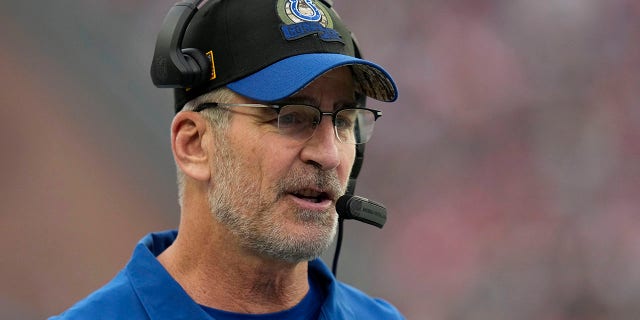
(303, 178)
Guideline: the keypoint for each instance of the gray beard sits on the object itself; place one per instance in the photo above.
(260, 230)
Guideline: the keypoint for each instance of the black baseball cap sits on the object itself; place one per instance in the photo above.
(267, 50)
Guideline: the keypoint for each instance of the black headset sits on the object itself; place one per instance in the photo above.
(177, 67)
(172, 66)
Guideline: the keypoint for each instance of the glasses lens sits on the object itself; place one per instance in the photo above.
(354, 126)
(298, 121)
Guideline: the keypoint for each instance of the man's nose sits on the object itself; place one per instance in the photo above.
(322, 148)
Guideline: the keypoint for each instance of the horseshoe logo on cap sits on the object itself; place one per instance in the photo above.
(315, 15)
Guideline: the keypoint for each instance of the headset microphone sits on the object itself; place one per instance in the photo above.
(358, 208)
(350, 206)
(361, 209)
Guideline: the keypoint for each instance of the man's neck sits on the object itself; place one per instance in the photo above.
(218, 275)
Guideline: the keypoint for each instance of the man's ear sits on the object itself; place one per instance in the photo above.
(189, 145)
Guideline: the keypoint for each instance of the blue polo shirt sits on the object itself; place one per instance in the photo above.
(145, 290)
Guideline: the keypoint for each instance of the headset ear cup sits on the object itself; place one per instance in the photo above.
(199, 66)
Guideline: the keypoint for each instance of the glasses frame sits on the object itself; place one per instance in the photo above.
(278, 106)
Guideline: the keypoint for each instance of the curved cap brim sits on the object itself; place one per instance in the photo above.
(288, 76)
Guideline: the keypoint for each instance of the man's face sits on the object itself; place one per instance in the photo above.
(277, 194)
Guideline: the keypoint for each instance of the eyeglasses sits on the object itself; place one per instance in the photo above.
(299, 121)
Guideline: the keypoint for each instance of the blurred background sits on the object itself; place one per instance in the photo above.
(510, 164)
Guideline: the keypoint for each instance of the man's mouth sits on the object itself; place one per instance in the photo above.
(311, 195)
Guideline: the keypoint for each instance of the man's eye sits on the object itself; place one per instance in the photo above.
(297, 116)
(344, 122)
(291, 119)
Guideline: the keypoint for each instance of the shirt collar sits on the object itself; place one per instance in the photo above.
(161, 296)
(164, 298)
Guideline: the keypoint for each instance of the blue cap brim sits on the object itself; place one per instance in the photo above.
(288, 76)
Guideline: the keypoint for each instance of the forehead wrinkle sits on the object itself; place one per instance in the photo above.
(312, 101)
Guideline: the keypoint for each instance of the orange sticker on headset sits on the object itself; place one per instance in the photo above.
(213, 66)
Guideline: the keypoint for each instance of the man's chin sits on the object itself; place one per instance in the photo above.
(302, 242)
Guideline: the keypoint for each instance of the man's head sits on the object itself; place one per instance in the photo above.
(270, 169)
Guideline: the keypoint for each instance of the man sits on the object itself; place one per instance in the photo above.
(264, 147)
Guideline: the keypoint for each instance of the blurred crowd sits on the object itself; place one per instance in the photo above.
(510, 165)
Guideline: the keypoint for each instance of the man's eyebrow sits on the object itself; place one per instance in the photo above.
(298, 99)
